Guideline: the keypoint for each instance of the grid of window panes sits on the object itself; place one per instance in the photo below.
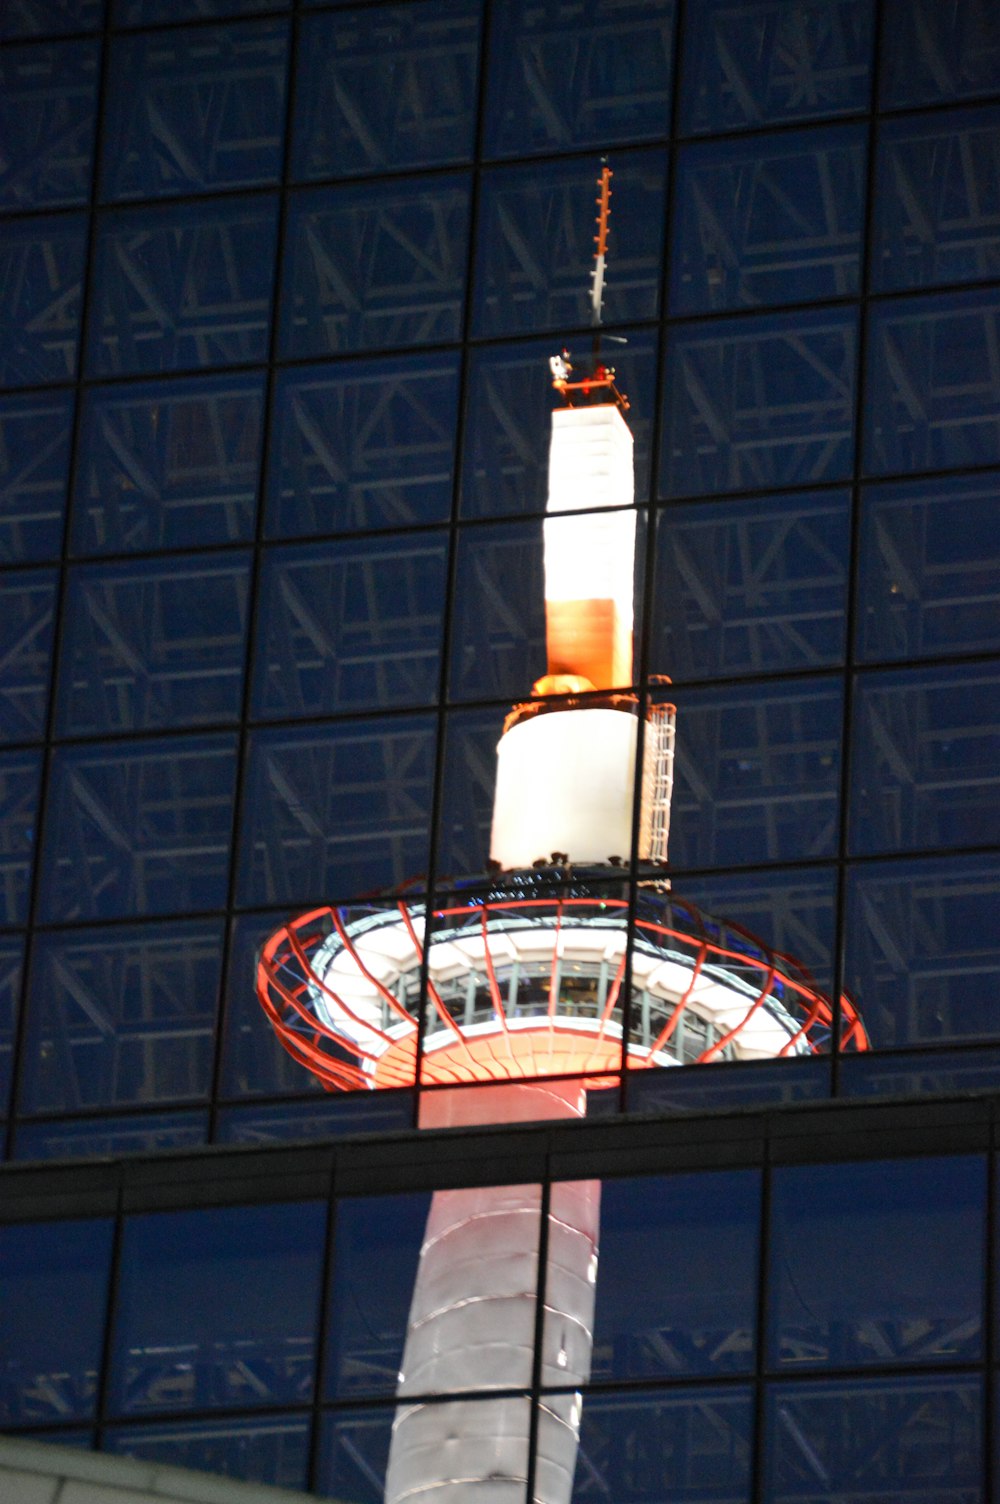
(279, 285)
(763, 1329)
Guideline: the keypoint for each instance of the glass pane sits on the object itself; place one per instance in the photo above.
(47, 105)
(930, 568)
(49, 1365)
(702, 1319)
(26, 607)
(757, 774)
(350, 626)
(11, 957)
(934, 53)
(467, 786)
(111, 1137)
(368, 1319)
(922, 950)
(271, 1451)
(41, 267)
(363, 446)
(387, 88)
(182, 286)
(772, 220)
(721, 1088)
(881, 1439)
(336, 1115)
(121, 1016)
(877, 1262)
(168, 465)
(218, 1308)
(194, 111)
(535, 245)
(751, 62)
(28, 18)
(793, 913)
(360, 1447)
(751, 587)
(933, 383)
(920, 1073)
(562, 77)
(759, 402)
(924, 769)
(498, 634)
(334, 811)
(507, 433)
(150, 12)
(375, 266)
(139, 828)
(155, 643)
(34, 470)
(937, 204)
(645, 1448)
(253, 1062)
(19, 776)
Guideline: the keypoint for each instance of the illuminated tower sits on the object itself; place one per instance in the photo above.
(526, 986)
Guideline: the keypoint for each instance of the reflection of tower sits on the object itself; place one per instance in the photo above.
(525, 987)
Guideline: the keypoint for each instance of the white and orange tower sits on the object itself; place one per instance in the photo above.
(524, 987)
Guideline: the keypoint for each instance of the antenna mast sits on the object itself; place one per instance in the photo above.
(599, 385)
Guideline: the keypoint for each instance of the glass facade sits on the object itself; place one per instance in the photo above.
(279, 284)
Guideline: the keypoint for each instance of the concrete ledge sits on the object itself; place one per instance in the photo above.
(35, 1472)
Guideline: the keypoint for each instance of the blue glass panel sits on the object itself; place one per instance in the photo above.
(701, 1320)
(272, 1451)
(41, 268)
(218, 1308)
(168, 465)
(922, 950)
(368, 1318)
(150, 12)
(645, 1448)
(772, 220)
(34, 468)
(350, 626)
(47, 99)
(757, 774)
(918, 1300)
(793, 913)
(470, 761)
(934, 53)
(182, 286)
(749, 64)
(386, 88)
(354, 1454)
(49, 1365)
(29, 18)
(194, 111)
(19, 776)
(751, 587)
(758, 402)
(26, 607)
(924, 769)
(120, 1017)
(253, 1062)
(334, 811)
(367, 268)
(509, 389)
(111, 1137)
(154, 643)
(920, 1072)
(11, 957)
(139, 828)
(563, 76)
(365, 445)
(498, 631)
(535, 245)
(929, 573)
(877, 1439)
(336, 1116)
(937, 200)
(729, 1085)
(933, 383)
